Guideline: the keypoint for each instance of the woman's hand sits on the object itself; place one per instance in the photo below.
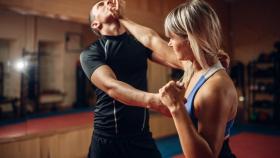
(155, 104)
(118, 8)
(172, 95)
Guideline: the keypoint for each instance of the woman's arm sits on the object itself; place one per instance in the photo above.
(193, 144)
(207, 140)
(162, 53)
(212, 113)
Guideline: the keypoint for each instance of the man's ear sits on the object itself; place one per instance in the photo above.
(95, 25)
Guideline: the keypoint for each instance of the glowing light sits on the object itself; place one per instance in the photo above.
(21, 65)
(241, 98)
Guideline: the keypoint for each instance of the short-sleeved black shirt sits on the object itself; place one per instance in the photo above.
(128, 59)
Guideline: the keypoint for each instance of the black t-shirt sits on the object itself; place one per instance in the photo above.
(128, 59)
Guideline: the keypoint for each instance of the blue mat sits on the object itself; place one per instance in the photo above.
(170, 146)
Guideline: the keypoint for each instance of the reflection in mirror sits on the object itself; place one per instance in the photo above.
(38, 84)
(9, 102)
(29, 83)
(51, 89)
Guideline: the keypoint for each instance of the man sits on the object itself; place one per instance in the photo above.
(117, 65)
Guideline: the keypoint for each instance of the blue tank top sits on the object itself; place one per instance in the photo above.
(190, 99)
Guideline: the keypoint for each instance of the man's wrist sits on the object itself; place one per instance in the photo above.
(152, 101)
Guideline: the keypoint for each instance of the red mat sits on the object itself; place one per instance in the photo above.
(251, 145)
(48, 124)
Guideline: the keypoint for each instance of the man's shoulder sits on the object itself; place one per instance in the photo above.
(93, 47)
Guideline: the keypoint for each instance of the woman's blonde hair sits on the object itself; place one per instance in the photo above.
(198, 22)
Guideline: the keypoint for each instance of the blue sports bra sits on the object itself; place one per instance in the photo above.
(190, 99)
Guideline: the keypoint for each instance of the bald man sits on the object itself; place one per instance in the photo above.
(117, 66)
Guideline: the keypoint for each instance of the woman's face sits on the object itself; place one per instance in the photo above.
(181, 47)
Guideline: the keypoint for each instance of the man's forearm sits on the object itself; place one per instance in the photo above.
(131, 96)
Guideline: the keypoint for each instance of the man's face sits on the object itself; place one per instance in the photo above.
(101, 11)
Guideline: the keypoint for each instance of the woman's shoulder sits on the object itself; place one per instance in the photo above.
(220, 81)
(219, 88)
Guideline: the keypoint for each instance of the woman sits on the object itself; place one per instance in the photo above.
(204, 105)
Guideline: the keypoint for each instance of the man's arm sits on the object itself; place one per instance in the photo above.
(104, 78)
(162, 53)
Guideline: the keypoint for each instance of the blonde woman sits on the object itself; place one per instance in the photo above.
(204, 105)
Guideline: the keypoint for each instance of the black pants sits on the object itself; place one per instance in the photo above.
(140, 146)
(226, 151)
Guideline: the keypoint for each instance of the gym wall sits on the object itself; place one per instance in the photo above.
(254, 28)
(26, 32)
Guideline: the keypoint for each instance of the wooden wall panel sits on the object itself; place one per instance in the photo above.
(148, 12)
(49, 146)
(139, 4)
(222, 8)
(155, 7)
(158, 76)
(72, 142)
(18, 3)
(24, 149)
(61, 9)
(168, 5)
(255, 28)
(162, 126)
